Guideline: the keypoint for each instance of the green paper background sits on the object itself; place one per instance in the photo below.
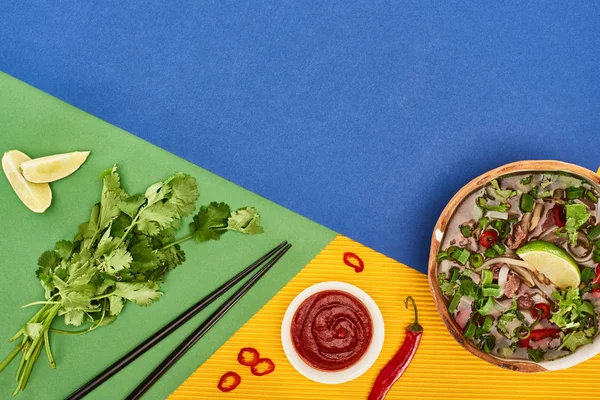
(39, 125)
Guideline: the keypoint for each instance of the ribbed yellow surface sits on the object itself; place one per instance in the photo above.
(441, 368)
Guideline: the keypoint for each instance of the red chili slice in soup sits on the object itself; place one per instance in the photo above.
(488, 238)
(540, 311)
(560, 215)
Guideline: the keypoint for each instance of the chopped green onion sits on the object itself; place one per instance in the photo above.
(470, 331)
(493, 290)
(597, 243)
(503, 228)
(534, 192)
(597, 255)
(499, 247)
(487, 324)
(575, 192)
(490, 253)
(465, 230)
(483, 222)
(590, 195)
(463, 257)
(527, 180)
(454, 302)
(587, 275)
(442, 255)
(487, 307)
(486, 277)
(594, 234)
(526, 203)
(455, 254)
(454, 273)
(476, 260)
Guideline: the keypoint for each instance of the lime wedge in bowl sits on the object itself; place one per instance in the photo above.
(552, 261)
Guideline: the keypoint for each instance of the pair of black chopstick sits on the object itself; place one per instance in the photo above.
(170, 360)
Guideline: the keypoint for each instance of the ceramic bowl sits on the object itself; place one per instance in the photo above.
(583, 353)
(357, 369)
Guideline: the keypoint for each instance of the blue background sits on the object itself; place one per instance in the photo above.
(364, 116)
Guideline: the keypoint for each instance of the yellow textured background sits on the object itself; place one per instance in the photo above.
(441, 368)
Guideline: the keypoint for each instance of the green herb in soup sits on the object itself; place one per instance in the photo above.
(519, 266)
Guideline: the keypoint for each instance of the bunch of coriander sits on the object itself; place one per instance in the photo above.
(121, 254)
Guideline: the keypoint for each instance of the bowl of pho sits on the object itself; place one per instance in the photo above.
(514, 266)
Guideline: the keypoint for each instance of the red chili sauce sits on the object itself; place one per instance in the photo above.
(331, 330)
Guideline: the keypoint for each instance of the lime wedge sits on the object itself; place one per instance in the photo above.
(52, 168)
(552, 261)
(36, 196)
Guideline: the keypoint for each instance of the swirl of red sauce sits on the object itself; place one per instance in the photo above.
(331, 330)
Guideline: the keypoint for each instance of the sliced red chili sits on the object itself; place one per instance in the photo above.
(248, 356)
(539, 334)
(229, 381)
(354, 261)
(540, 311)
(488, 238)
(264, 366)
(560, 215)
(596, 280)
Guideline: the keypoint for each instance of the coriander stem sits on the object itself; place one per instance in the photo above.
(102, 296)
(176, 242)
(63, 332)
(11, 356)
(40, 302)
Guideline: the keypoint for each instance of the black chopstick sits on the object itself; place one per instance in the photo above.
(169, 328)
(187, 344)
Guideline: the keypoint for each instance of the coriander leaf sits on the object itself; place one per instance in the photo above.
(157, 192)
(143, 256)
(34, 330)
(106, 244)
(499, 194)
(110, 179)
(447, 287)
(209, 218)
(184, 193)
(131, 204)
(49, 259)
(72, 300)
(47, 262)
(577, 216)
(155, 217)
(535, 355)
(245, 220)
(469, 288)
(117, 261)
(64, 248)
(142, 294)
(575, 339)
(73, 317)
(116, 305)
(504, 320)
(109, 209)
(482, 203)
(171, 257)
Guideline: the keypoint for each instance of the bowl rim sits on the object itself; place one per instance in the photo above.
(358, 368)
(440, 228)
